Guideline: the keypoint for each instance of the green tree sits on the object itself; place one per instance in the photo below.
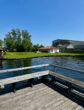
(1, 43)
(26, 35)
(8, 41)
(26, 42)
(36, 47)
(17, 40)
(27, 45)
(41, 46)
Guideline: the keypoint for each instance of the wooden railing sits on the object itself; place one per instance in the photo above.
(67, 68)
(70, 82)
(23, 68)
(29, 77)
(68, 79)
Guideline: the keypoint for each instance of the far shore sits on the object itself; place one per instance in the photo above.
(24, 55)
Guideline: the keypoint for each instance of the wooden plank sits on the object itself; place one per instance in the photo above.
(37, 98)
(23, 77)
(23, 68)
(71, 80)
(20, 93)
(67, 68)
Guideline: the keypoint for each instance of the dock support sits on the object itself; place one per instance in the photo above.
(44, 78)
(69, 86)
(13, 87)
(31, 82)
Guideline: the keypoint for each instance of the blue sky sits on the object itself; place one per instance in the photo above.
(46, 20)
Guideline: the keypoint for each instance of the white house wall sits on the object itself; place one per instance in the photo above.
(50, 51)
(54, 51)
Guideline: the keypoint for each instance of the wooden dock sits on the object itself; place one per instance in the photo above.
(40, 97)
(49, 94)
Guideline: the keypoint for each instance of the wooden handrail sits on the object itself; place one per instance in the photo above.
(42, 73)
(67, 68)
(23, 68)
(37, 66)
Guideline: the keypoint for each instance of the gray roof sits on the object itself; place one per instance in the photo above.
(76, 41)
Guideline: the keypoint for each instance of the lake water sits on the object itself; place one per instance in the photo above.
(70, 62)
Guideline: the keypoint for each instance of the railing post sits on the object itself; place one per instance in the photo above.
(45, 68)
(13, 87)
(31, 82)
(55, 69)
(44, 79)
(53, 78)
(69, 86)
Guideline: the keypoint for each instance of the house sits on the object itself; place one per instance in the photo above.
(1, 52)
(49, 49)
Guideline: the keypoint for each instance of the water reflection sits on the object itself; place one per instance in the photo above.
(0, 64)
(10, 64)
(70, 62)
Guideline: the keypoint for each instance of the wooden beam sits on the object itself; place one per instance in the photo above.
(68, 79)
(22, 77)
(67, 68)
(23, 68)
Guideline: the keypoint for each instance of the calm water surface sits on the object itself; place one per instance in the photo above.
(70, 62)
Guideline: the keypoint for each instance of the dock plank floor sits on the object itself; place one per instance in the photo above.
(40, 97)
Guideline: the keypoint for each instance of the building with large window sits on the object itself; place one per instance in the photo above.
(64, 44)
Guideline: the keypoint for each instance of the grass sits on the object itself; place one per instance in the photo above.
(33, 54)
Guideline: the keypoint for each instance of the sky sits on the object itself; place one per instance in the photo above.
(45, 20)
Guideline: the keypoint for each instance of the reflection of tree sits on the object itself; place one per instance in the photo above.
(79, 58)
(63, 61)
(0, 63)
(22, 63)
(10, 64)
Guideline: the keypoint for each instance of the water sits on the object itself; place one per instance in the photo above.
(70, 62)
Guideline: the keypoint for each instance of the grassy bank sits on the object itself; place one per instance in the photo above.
(33, 54)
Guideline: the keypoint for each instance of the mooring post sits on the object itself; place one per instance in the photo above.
(13, 87)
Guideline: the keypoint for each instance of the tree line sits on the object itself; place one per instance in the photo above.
(19, 41)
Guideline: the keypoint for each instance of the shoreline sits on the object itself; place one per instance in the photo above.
(19, 58)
